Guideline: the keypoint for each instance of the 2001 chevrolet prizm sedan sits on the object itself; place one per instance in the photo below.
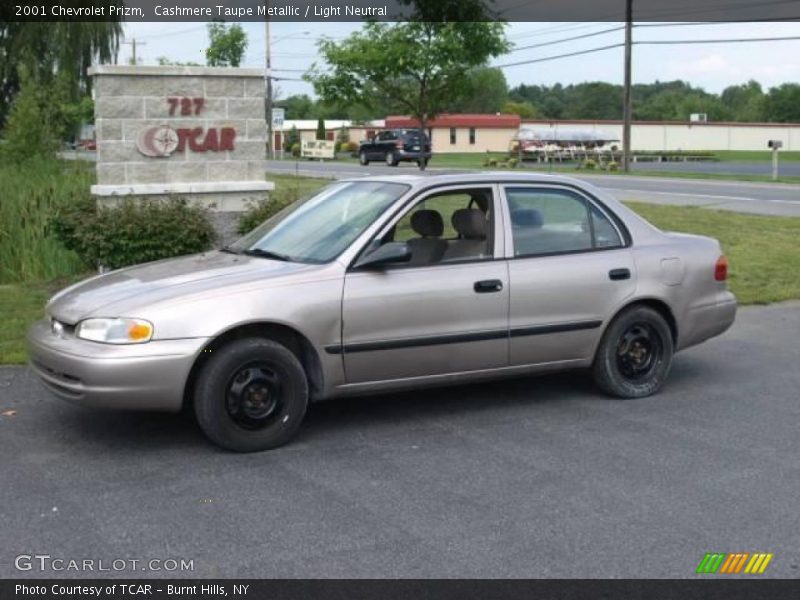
(386, 283)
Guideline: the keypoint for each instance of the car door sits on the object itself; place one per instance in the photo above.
(570, 268)
(445, 314)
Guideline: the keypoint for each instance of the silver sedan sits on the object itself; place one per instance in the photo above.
(388, 283)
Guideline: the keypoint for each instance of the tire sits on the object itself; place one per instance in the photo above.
(422, 163)
(635, 354)
(362, 158)
(391, 161)
(251, 395)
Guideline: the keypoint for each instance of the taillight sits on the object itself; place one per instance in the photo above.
(721, 269)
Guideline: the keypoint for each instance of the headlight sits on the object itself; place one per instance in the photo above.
(115, 331)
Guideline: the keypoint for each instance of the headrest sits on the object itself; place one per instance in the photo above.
(480, 199)
(527, 217)
(470, 223)
(427, 223)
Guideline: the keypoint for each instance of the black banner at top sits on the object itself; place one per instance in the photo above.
(392, 10)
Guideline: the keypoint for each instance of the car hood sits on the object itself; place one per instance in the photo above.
(163, 280)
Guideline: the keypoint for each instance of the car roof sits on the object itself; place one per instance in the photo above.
(484, 177)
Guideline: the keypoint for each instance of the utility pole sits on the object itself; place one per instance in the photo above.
(627, 108)
(133, 49)
(268, 77)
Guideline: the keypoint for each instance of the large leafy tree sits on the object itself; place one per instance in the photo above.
(420, 65)
(49, 52)
(486, 92)
(782, 103)
(227, 44)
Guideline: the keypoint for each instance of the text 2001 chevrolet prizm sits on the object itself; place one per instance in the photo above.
(386, 283)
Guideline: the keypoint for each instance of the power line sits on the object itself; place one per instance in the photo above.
(690, 24)
(569, 39)
(547, 58)
(728, 41)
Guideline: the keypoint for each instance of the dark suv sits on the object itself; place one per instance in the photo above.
(393, 146)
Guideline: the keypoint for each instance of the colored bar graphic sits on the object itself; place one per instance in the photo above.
(733, 563)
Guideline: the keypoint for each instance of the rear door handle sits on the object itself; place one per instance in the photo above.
(487, 286)
(619, 274)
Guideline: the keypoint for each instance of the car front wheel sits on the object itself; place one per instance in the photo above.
(362, 158)
(635, 354)
(251, 395)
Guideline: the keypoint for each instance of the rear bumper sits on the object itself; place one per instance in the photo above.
(412, 155)
(148, 376)
(709, 320)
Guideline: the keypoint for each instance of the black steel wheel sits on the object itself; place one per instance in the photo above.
(635, 354)
(251, 395)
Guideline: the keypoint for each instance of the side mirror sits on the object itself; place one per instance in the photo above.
(389, 253)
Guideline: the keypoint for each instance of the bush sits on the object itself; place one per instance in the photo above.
(32, 192)
(134, 232)
(512, 163)
(590, 164)
(350, 146)
(613, 166)
(491, 162)
(33, 129)
(295, 150)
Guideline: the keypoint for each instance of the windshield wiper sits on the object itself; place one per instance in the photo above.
(266, 254)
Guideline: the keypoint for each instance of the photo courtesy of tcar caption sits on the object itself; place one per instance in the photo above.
(142, 589)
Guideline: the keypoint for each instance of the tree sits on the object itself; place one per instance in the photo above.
(320, 129)
(167, 62)
(227, 44)
(486, 92)
(48, 50)
(526, 110)
(299, 106)
(745, 102)
(421, 65)
(782, 104)
(33, 128)
(292, 138)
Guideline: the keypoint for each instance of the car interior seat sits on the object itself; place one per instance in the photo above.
(429, 247)
(471, 225)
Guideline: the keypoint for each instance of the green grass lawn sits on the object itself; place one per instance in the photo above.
(757, 155)
(764, 252)
(764, 255)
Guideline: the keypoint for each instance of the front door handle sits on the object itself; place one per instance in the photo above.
(619, 274)
(487, 286)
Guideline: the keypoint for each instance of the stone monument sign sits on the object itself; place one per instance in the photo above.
(192, 132)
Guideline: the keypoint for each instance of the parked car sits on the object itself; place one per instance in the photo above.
(388, 283)
(393, 146)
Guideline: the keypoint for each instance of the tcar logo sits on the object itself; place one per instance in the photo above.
(734, 563)
(162, 141)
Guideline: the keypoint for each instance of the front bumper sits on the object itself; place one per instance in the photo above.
(148, 376)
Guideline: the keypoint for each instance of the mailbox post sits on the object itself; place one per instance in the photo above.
(775, 145)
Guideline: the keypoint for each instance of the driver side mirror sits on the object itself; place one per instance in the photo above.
(386, 254)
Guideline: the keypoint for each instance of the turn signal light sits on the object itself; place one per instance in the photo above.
(721, 269)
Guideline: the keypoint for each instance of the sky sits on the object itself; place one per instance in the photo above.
(710, 66)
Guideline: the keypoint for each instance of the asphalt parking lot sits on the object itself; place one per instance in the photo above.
(527, 478)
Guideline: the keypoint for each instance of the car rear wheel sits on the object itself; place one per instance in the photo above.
(635, 354)
(422, 162)
(362, 158)
(391, 161)
(251, 395)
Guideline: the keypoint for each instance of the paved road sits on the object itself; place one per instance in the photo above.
(747, 197)
(528, 478)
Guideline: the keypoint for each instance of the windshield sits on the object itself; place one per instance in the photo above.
(320, 228)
